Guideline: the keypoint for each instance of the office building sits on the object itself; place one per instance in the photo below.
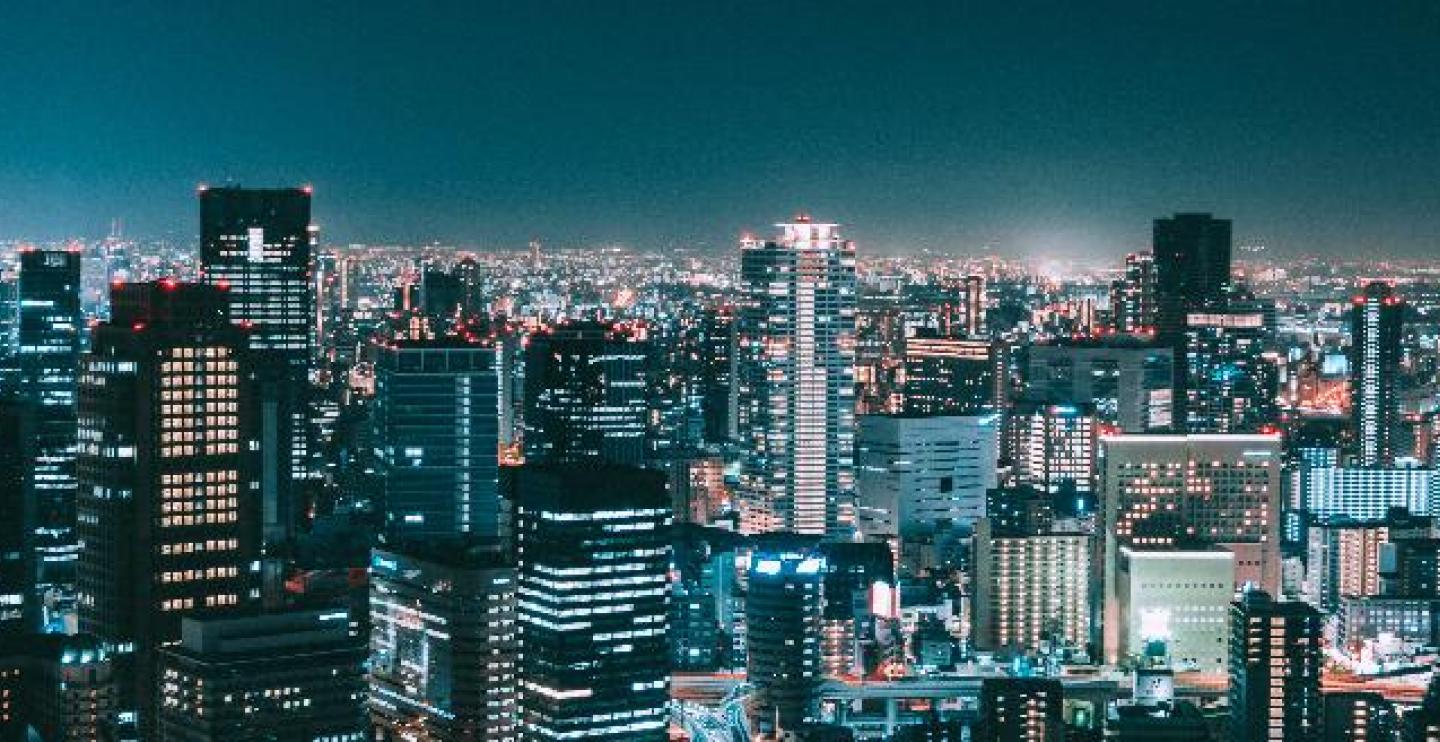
(1422, 724)
(975, 306)
(56, 687)
(1130, 382)
(1343, 559)
(294, 675)
(1031, 587)
(1053, 446)
(15, 458)
(916, 473)
(586, 395)
(717, 374)
(259, 245)
(49, 337)
(444, 642)
(1021, 710)
(593, 542)
(1376, 323)
(1192, 269)
(795, 371)
(1367, 494)
(436, 430)
(1160, 491)
(1230, 385)
(1132, 296)
(784, 606)
(1179, 597)
(167, 461)
(955, 375)
(1275, 660)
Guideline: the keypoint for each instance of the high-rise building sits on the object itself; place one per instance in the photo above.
(955, 375)
(1021, 710)
(1376, 324)
(593, 543)
(1192, 269)
(717, 374)
(1130, 382)
(49, 337)
(444, 642)
(1230, 386)
(1275, 660)
(259, 245)
(57, 687)
(1053, 446)
(1031, 586)
(586, 395)
(294, 675)
(436, 433)
(784, 605)
(16, 583)
(1365, 494)
(1343, 559)
(916, 473)
(1161, 491)
(795, 370)
(975, 305)
(167, 461)
(1132, 297)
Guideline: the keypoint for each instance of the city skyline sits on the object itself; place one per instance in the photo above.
(1035, 131)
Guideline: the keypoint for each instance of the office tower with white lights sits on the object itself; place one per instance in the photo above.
(1053, 446)
(436, 432)
(593, 544)
(784, 612)
(795, 375)
(168, 517)
(259, 244)
(1376, 323)
(49, 337)
(586, 394)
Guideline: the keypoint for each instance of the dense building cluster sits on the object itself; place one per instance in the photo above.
(275, 489)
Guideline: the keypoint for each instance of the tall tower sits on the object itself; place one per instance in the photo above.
(975, 305)
(49, 339)
(585, 395)
(1132, 297)
(1275, 658)
(795, 370)
(168, 469)
(259, 244)
(437, 432)
(1375, 330)
(1192, 269)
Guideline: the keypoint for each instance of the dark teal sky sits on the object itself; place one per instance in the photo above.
(1042, 128)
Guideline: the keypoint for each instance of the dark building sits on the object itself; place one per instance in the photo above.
(259, 245)
(1423, 724)
(784, 608)
(1021, 710)
(1132, 296)
(593, 543)
(56, 687)
(1192, 269)
(955, 376)
(436, 431)
(15, 457)
(585, 395)
(1230, 386)
(443, 642)
(1376, 324)
(49, 337)
(168, 471)
(1275, 660)
(1130, 382)
(1358, 717)
(296, 675)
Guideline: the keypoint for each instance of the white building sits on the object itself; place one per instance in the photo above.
(914, 472)
(1369, 493)
(1181, 597)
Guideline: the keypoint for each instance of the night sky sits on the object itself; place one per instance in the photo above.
(1037, 128)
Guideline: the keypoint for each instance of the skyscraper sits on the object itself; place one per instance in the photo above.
(796, 358)
(167, 511)
(1230, 386)
(586, 394)
(975, 305)
(1375, 330)
(259, 244)
(49, 339)
(1031, 586)
(1192, 269)
(1275, 659)
(436, 428)
(1053, 446)
(783, 611)
(1132, 296)
(444, 642)
(593, 543)
(955, 376)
